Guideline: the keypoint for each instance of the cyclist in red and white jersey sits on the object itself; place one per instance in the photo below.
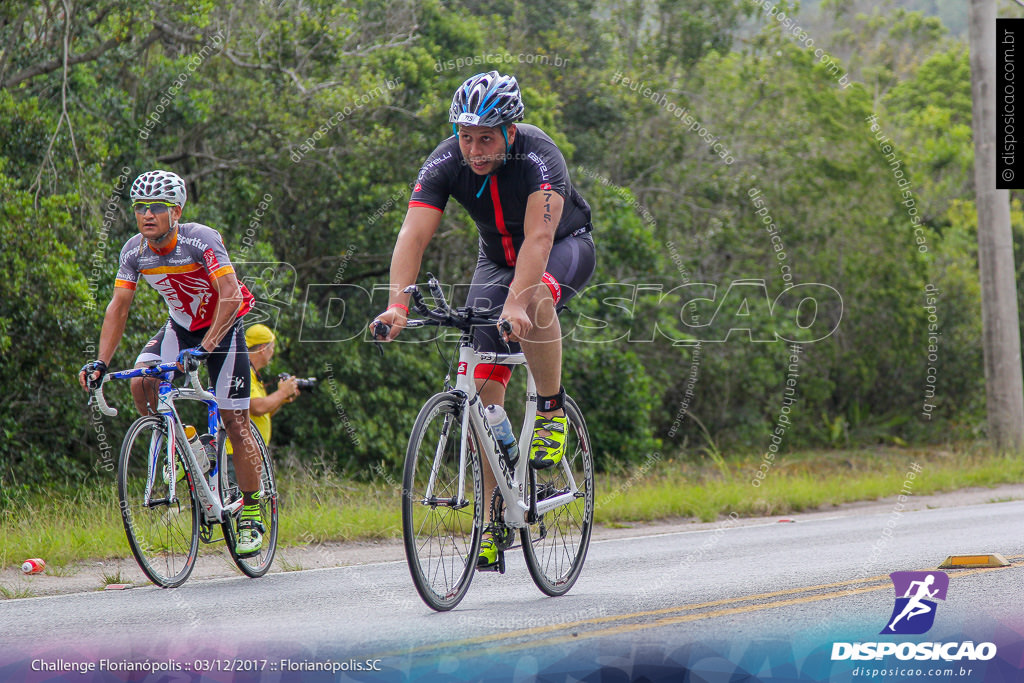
(190, 268)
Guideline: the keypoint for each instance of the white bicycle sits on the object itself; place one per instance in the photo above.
(443, 515)
(169, 501)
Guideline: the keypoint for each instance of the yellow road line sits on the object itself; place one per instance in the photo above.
(638, 615)
(668, 621)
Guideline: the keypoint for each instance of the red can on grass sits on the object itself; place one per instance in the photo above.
(33, 566)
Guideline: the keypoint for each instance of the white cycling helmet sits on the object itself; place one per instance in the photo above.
(163, 185)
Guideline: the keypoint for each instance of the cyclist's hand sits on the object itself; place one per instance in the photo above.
(395, 317)
(91, 374)
(189, 359)
(516, 316)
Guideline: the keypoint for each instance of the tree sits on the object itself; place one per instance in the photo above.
(1003, 380)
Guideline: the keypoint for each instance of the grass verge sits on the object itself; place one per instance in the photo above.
(794, 482)
(317, 506)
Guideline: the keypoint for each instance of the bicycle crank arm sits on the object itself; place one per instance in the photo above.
(498, 566)
(230, 510)
(452, 503)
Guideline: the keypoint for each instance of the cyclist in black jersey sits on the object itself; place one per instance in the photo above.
(535, 247)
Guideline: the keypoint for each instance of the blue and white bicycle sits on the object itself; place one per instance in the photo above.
(169, 499)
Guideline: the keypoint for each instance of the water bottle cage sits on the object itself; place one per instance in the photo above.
(502, 431)
(511, 460)
(209, 446)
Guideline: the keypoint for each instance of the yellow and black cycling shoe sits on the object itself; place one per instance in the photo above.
(547, 451)
(487, 560)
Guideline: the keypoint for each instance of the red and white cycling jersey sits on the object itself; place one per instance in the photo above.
(182, 272)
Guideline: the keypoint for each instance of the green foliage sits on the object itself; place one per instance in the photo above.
(300, 127)
(45, 307)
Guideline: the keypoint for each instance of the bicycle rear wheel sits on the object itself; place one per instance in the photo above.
(256, 565)
(556, 546)
(441, 530)
(164, 534)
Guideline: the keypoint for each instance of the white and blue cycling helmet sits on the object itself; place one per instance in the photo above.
(487, 99)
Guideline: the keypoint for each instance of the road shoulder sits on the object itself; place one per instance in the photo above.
(89, 576)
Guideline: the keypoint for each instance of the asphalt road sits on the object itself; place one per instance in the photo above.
(768, 598)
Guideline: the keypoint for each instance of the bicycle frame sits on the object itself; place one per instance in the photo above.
(511, 483)
(207, 487)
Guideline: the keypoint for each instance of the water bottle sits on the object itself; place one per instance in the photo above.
(209, 442)
(502, 430)
(197, 448)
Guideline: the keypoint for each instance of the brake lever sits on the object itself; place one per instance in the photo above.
(417, 299)
(505, 327)
(435, 291)
(380, 331)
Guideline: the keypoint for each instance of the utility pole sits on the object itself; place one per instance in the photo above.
(1004, 386)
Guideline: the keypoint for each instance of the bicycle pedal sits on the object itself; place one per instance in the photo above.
(498, 566)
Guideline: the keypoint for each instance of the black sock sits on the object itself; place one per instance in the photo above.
(550, 404)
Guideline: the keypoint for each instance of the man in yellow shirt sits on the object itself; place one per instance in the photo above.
(260, 340)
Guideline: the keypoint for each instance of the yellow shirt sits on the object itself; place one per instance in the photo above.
(262, 422)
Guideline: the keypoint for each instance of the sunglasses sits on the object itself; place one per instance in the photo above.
(157, 208)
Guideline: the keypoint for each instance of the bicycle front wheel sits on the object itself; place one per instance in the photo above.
(442, 503)
(556, 546)
(257, 565)
(163, 532)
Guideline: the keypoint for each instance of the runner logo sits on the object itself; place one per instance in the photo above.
(914, 612)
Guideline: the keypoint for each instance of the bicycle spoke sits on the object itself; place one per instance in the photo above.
(556, 558)
(440, 535)
(164, 537)
(256, 565)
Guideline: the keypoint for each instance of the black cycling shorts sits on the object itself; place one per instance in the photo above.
(570, 266)
(228, 365)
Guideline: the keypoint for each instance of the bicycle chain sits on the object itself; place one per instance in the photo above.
(206, 532)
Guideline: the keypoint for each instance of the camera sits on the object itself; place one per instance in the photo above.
(303, 383)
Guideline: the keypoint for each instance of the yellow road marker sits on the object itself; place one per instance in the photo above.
(974, 561)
